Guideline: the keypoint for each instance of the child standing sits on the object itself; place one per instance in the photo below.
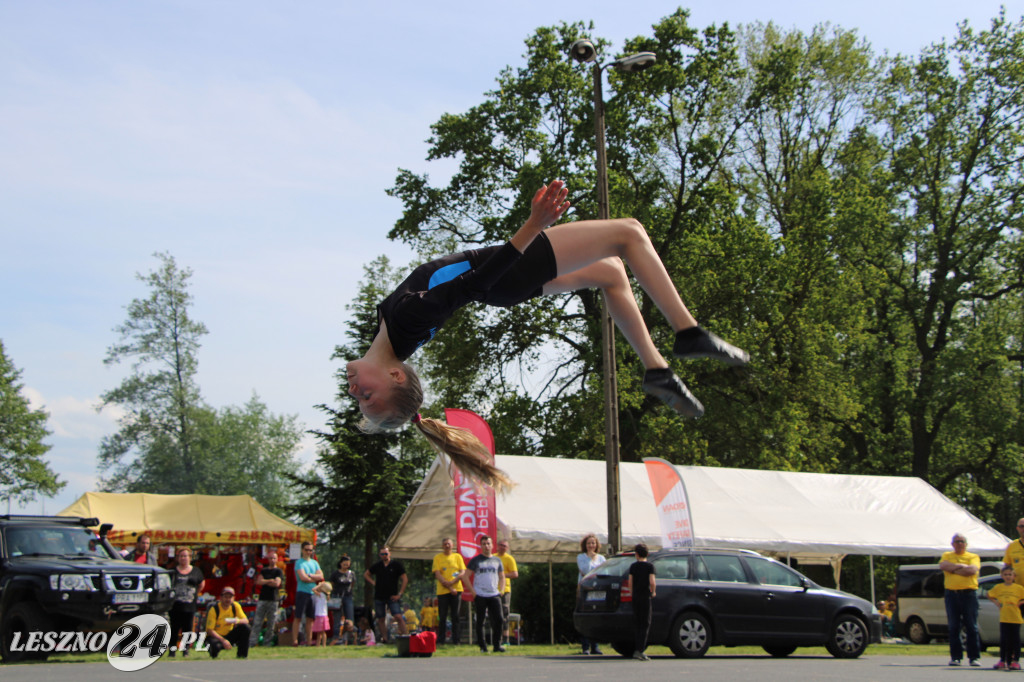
(321, 624)
(1008, 596)
(642, 586)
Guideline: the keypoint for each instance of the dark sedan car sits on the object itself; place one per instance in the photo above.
(725, 597)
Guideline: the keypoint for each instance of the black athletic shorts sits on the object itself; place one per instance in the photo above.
(526, 278)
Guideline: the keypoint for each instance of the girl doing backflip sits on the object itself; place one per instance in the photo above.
(540, 258)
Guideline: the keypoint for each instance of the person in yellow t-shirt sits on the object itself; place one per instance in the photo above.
(227, 625)
(961, 581)
(448, 568)
(508, 562)
(412, 623)
(1008, 596)
(1014, 555)
(428, 614)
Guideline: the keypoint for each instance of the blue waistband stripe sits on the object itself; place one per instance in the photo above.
(448, 273)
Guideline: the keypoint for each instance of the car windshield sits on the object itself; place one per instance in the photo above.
(616, 567)
(58, 541)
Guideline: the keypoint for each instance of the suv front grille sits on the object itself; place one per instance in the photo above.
(124, 582)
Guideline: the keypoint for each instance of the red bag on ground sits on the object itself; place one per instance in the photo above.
(422, 644)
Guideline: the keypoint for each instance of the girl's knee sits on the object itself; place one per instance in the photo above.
(631, 232)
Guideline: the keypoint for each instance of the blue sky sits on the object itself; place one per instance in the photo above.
(254, 141)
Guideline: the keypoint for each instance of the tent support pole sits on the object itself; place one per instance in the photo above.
(551, 599)
(871, 567)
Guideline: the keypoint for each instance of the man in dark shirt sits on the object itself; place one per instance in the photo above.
(642, 586)
(268, 581)
(389, 582)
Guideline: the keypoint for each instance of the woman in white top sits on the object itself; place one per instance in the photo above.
(586, 561)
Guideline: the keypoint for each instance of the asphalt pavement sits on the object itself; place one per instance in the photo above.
(520, 668)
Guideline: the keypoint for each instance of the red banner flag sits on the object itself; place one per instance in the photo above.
(474, 502)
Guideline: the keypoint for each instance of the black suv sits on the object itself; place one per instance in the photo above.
(724, 597)
(57, 575)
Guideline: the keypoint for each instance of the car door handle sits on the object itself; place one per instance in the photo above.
(708, 591)
(769, 596)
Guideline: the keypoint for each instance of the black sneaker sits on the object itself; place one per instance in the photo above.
(483, 650)
(696, 342)
(499, 649)
(664, 384)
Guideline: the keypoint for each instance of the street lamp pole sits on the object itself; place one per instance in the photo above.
(584, 51)
(611, 371)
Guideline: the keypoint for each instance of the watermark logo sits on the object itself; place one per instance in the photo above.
(58, 642)
(141, 641)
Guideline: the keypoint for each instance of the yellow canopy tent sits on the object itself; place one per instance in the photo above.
(202, 519)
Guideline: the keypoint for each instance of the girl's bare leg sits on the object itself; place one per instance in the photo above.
(577, 245)
(609, 275)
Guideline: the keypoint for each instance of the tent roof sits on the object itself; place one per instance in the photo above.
(557, 501)
(210, 519)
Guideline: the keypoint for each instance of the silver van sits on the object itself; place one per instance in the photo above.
(920, 611)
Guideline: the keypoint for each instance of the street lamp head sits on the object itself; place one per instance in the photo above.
(635, 62)
(583, 51)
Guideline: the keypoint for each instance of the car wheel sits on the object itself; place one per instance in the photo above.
(624, 649)
(690, 636)
(916, 632)
(848, 637)
(779, 651)
(22, 618)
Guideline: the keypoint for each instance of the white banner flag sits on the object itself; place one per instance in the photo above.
(673, 504)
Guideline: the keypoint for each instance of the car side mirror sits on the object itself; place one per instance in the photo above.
(805, 583)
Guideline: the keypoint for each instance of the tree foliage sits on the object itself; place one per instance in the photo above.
(852, 220)
(24, 473)
(169, 440)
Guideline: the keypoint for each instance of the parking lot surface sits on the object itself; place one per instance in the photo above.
(520, 668)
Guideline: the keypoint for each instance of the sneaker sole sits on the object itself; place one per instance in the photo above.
(682, 406)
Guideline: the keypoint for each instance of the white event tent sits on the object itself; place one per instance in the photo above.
(803, 515)
(813, 518)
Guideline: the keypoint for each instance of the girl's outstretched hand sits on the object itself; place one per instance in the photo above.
(549, 203)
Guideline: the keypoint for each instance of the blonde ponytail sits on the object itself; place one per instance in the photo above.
(465, 451)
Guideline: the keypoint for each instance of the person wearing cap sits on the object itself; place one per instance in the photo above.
(227, 626)
(961, 582)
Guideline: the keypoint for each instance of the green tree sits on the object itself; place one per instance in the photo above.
(945, 268)
(24, 473)
(160, 399)
(361, 484)
(249, 449)
(170, 440)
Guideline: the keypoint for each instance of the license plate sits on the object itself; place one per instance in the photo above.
(596, 595)
(131, 598)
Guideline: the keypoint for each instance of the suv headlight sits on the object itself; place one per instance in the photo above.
(71, 582)
(163, 581)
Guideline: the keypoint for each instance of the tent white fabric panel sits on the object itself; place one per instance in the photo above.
(557, 501)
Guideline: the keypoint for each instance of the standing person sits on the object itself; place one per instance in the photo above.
(141, 553)
(268, 581)
(321, 624)
(1014, 556)
(342, 582)
(448, 568)
(187, 582)
(537, 260)
(961, 581)
(389, 581)
(226, 625)
(1008, 596)
(586, 561)
(642, 585)
(485, 579)
(428, 615)
(307, 575)
(511, 571)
